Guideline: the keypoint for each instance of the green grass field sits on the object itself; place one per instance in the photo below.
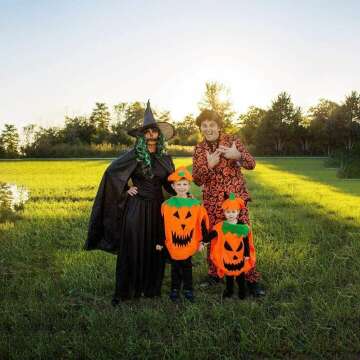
(55, 297)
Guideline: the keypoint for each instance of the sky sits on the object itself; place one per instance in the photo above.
(58, 58)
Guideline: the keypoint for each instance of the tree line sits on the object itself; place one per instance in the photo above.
(281, 129)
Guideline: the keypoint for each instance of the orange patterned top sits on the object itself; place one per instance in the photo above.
(224, 177)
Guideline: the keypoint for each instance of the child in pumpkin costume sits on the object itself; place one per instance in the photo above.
(232, 250)
(186, 223)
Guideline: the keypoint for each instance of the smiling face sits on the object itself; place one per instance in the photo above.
(210, 130)
(181, 187)
(151, 134)
(231, 215)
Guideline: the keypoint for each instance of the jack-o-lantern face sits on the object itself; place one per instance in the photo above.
(233, 255)
(228, 249)
(183, 226)
(182, 218)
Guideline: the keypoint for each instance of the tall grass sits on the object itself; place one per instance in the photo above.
(55, 298)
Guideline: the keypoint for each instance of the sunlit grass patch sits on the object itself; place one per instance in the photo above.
(55, 297)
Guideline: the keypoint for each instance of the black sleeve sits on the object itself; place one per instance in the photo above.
(209, 236)
(247, 248)
(167, 186)
(204, 230)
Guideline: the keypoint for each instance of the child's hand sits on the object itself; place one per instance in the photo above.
(247, 258)
(132, 191)
(158, 247)
(201, 246)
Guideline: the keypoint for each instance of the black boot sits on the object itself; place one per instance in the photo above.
(227, 294)
(174, 295)
(115, 301)
(229, 291)
(189, 295)
(255, 290)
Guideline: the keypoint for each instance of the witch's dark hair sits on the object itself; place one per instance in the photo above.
(143, 155)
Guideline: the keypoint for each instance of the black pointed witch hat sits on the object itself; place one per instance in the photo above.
(165, 128)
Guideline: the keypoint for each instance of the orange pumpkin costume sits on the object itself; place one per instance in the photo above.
(232, 249)
(185, 224)
(228, 249)
(182, 221)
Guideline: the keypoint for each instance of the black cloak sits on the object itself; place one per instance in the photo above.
(107, 212)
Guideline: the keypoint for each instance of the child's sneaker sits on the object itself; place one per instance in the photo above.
(188, 295)
(174, 295)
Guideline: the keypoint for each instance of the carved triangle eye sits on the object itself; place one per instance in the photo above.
(188, 215)
(240, 246)
(176, 214)
(227, 246)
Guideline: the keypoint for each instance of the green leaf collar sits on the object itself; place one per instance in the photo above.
(237, 229)
(182, 202)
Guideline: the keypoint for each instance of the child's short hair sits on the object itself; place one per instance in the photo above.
(180, 173)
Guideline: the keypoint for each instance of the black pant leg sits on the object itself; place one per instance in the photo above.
(187, 273)
(230, 284)
(242, 286)
(176, 274)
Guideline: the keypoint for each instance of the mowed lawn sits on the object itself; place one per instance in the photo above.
(55, 297)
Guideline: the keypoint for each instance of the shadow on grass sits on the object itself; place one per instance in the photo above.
(56, 301)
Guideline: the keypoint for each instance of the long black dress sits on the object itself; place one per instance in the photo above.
(140, 268)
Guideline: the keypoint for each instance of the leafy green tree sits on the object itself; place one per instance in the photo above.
(128, 116)
(2, 148)
(349, 116)
(100, 120)
(119, 110)
(44, 140)
(78, 130)
(162, 115)
(303, 135)
(100, 116)
(249, 122)
(278, 125)
(187, 132)
(133, 115)
(29, 133)
(118, 135)
(216, 97)
(324, 126)
(10, 140)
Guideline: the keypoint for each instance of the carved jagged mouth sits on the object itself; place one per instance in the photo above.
(234, 267)
(182, 240)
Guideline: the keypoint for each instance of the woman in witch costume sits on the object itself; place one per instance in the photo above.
(127, 220)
